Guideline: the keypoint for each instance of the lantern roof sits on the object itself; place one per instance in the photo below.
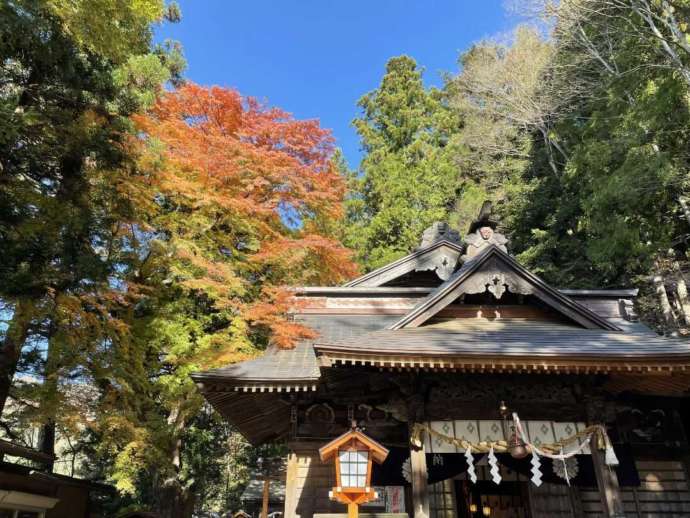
(330, 450)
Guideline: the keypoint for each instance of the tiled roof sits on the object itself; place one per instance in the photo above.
(479, 337)
(297, 365)
(254, 491)
(336, 327)
(389, 336)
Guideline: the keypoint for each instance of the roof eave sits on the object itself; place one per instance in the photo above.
(654, 364)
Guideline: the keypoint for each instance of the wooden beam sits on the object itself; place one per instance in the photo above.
(576, 502)
(607, 482)
(15, 450)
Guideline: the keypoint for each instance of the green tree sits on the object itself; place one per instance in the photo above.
(616, 198)
(68, 86)
(591, 129)
(407, 178)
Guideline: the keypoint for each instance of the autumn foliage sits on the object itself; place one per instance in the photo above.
(248, 197)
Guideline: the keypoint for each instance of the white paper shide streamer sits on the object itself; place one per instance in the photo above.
(536, 469)
(471, 473)
(565, 461)
(495, 470)
(610, 456)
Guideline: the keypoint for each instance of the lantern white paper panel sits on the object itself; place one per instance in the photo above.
(353, 468)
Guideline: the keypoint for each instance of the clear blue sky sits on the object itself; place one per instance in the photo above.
(316, 58)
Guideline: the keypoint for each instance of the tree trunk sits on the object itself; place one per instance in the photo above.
(49, 403)
(682, 292)
(664, 303)
(686, 209)
(549, 152)
(11, 346)
(175, 502)
(47, 442)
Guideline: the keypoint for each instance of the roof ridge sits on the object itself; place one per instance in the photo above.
(408, 258)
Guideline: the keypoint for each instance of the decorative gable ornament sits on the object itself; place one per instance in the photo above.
(483, 233)
(439, 252)
(439, 231)
(480, 239)
(497, 279)
(442, 262)
(497, 286)
(495, 271)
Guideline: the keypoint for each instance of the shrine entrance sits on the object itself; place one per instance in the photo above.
(507, 500)
(510, 499)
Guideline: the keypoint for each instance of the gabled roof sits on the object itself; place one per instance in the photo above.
(379, 321)
(437, 256)
(494, 270)
(509, 345)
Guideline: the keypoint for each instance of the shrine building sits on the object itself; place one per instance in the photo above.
(494, 393)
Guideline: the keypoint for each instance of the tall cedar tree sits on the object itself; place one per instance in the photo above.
(64, 101)
(407, 178)
(238, 200)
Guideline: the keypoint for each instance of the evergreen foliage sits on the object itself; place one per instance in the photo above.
(407, 178)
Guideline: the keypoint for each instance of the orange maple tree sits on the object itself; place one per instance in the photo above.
(247, 200)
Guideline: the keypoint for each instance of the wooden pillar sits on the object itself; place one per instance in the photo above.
(607, 482)
(290, 510)
(265, 496)
(420, 490)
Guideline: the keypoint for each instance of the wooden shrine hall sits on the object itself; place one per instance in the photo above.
(494, 393)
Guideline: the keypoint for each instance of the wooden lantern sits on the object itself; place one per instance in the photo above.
(354, 453)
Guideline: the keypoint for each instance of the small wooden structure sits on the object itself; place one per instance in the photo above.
(264, 494)
(421, 352)
(30, 492)
(353, 453)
